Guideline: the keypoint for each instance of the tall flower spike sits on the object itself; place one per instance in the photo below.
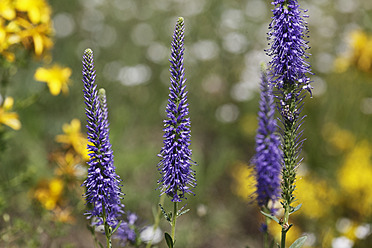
(289, 73)
(103, 190)
(268, 155)
(177, 176)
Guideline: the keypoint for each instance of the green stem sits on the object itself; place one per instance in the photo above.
(107, 228)
(157, 218)
(174, 221)
(284, 233)
(266, 233)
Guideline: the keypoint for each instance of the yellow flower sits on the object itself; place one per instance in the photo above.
(359, 53)
(68, 165)
(312, 192)
(8, 37)
(355, 178)
(38, 11)
(73, 137)
(35, 36)
(49, 193)
(244, 184)
(56, 77)
(7, 10)
(9, 118)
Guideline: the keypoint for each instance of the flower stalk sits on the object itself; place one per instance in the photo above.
(175, 166)
(103, 189)
(289, 74)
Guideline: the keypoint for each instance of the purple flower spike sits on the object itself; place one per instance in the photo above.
(177, 176)
(103, 190)
(287, 32)
(289, 73)
(268, 155)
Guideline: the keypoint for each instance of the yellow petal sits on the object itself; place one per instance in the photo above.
(12, 121)
(54, 87)
(41, 74)
(38, 44)
(8, 103)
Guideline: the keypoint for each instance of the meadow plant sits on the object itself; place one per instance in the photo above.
(268, 154)
(175, 166)
(103, 189)
(289, 75)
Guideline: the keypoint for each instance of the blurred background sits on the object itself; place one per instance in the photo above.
(42, 156)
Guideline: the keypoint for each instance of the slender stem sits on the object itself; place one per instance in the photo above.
(284, 233)
(174, 221)
(266, 234)
(157, 219)
(107, 227)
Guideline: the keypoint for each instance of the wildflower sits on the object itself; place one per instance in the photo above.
(36, 37)
(69, 165)
(313, 192)
(125, 232)
(354, 178)
(9, 35)
(103, 184)
(289, 73)
(56, 77)
(268, 155)
(244, 180)
(287, 32)
(38, 11)
(8, 118)
(49, 193)
(177, 176)
(7, 10)
(73, 137)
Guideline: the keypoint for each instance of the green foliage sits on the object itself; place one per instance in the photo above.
(168, 240)
(299, 242)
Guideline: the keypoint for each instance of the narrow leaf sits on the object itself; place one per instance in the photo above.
(270, 216)
(299, 242)
(116, 228)
(183, 212)
(166, 216)
(295, 209)
(169, 240)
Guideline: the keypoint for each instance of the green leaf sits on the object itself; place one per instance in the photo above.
(299, 242)
(168, 217)
(295, 209)
(183, 212)
(100, 245)
(270, 217)
(116, 228)
(169, 240)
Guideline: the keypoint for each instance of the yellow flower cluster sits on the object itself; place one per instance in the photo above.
(56, 77)
(68, 173)
(360, 54)
(313, 192)
(49, 193)
(73, 137)
(244, 184)
(355, 179)
(26, 23)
